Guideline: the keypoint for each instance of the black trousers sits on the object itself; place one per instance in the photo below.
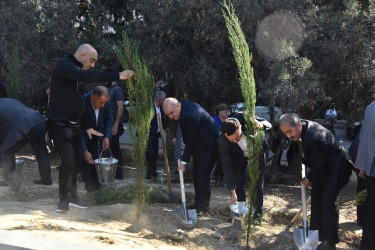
(36, 137)
(240, 191)
(88, 171)
(67, 140)
(324, 207)
(203, 163)
(152, 153)
(116, 150)
(368, 237)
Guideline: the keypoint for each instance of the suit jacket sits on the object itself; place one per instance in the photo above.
(233, 160)
(199, 131)
(154, 125)
(105, 120)
(321, 152)
(16, 120)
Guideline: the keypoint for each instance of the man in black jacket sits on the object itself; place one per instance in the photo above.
(326, 159)
(233, 151)
(66, 111)
(200, 133)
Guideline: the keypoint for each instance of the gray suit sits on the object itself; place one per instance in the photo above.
(20, 125)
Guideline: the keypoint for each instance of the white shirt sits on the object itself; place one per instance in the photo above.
(96, 114)
(243, 145)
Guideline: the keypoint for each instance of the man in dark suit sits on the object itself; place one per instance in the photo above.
(99, 114)
(154, 135)
(20, 125)
(326, 159)
(200, 134)
(234, 155)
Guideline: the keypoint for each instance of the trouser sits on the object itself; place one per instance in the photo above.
(368, 237)
(240, 192)
(152, 153)
(203, 163)
(218, 172)
(116, 150)
(324, 207)
(88, 171)
(67, 140)
(36, 137)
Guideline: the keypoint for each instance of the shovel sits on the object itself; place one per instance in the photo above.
(188, 218)
(303, 238)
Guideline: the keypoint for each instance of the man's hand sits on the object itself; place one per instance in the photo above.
(114, 129)
(362, 174)
(106, 143)
(181, 167)
(305, 182)
(90, 132)
(88, 157)
(126, 74)
(174, 141)
(233, 196)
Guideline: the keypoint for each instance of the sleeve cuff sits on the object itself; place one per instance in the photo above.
(183, 162)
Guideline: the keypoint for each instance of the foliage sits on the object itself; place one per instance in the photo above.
(109, 195)
(140, 91)
(357, 199)
(12, 77)
(254, 138)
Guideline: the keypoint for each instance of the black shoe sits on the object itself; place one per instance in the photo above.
(63, 207)
(327, 245)
(40, 182)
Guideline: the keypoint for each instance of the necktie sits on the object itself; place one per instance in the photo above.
(299, 169)
(177, 148)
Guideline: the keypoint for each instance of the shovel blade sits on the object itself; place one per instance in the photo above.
(309, 243)
(190, 220)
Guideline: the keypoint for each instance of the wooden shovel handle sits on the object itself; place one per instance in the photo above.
(308, 202)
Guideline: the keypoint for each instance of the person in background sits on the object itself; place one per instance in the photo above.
(66, 115)
(222, 113)
(365, 163)
(152, 151)
(199, 133)
(117, 107)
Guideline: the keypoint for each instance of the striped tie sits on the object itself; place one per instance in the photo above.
(177, 148)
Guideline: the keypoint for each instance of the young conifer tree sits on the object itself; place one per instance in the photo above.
(254, 137)
(12, 77)
(140, 90)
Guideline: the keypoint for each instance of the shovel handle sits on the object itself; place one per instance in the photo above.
(303, 195)
(183, 198)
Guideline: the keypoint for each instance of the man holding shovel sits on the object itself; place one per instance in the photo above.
(199, 133)
(327, 161)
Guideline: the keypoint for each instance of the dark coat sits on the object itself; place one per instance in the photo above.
(105, 120)
(66, 103)
(322, 153)
(233, 160)
(199, 131)
(16, 120)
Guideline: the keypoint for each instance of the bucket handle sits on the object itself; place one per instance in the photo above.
(101, 152)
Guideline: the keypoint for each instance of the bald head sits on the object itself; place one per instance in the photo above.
(172, 108)
(87, 55)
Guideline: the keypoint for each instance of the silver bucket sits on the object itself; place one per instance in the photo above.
(19, 165)
(238, 214)
(106, 169)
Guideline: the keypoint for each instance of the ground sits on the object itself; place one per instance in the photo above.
(28, 219)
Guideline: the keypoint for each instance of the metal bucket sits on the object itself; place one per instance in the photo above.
(19, 165)
(238, 214)
(106, 169)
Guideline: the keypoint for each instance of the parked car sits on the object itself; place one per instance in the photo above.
(261, 111)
